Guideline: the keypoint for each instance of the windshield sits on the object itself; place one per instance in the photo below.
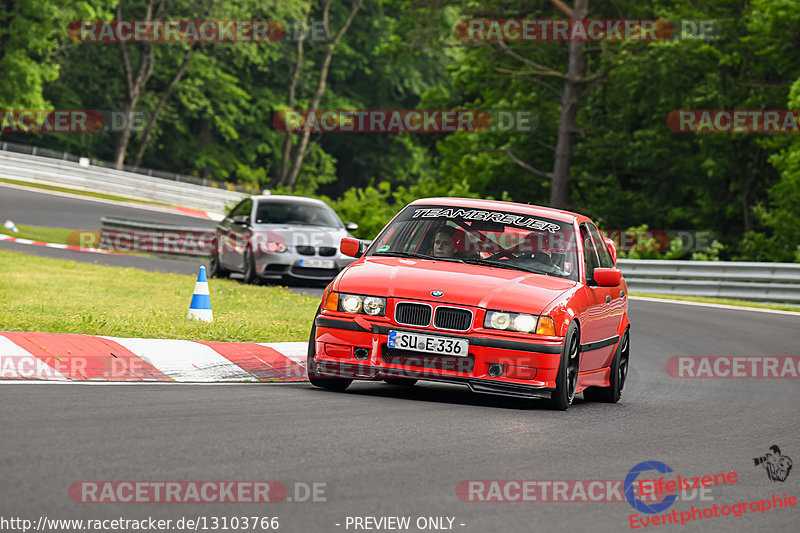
(296, 213)
(492, 238)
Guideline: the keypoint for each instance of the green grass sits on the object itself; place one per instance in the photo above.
(719, 301)
(39, 233)
(92, 194)
(56, 296)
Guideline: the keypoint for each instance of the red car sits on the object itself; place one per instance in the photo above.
(505, 298)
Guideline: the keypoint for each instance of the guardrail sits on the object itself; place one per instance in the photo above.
(764, 282)
(156, 173)
(33, 168)
(138, 236)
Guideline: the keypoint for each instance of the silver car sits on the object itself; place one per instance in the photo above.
(280, 238)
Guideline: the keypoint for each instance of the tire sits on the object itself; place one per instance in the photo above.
(619, 374)
(215, 269)
(567, 377)
(249, 273)
(335, 384)
(402, 382)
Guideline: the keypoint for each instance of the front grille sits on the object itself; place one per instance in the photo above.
(305, 250)
(326, 251)
(394, 356)
(412, 314)
(452, 318)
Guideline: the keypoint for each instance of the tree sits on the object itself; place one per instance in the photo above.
(299, 151)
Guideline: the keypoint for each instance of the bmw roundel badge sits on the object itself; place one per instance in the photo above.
(437, 294)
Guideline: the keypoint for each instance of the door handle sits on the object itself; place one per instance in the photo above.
(608, 298)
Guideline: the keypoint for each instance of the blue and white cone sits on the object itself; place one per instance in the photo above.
(11, 226)
(200, 307)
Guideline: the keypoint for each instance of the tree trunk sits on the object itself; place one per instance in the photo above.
(300, 151)
(161, 102)
(559, 192)
(287, 142)
(135, 85)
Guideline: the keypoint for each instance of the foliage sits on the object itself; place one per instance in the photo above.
(628, 168)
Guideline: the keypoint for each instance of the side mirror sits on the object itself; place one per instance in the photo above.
(607, 277)
(244, 220)
(350, 226)
(612, 248)
(351, 247)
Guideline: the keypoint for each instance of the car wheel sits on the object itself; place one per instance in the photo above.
(337, 384)
(249, 274)
(403, 382)
(619, 373)
(215, 269)
(567, 377)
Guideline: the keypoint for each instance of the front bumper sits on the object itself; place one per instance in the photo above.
(277, 266)
(352, 347)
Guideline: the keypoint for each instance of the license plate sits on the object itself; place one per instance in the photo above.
(316, 263)
(428, 343)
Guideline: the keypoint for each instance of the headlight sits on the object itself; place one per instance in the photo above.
(276, 247)
(498, 320)
(368, 305)
(374, 306)
(351, 303)
(522, 322)
(525, 323)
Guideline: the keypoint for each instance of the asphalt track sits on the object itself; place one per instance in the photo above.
(388, 451)
(43, 208)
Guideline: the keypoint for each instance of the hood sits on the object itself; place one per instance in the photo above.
(462, 284)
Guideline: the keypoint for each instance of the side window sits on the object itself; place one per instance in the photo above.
(589, 254)
(243, 208)
(603, 254)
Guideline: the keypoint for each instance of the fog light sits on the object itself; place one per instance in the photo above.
(361, 353)
(495, 370)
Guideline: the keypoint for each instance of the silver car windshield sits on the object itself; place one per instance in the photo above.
(296, 214)
(491, 238)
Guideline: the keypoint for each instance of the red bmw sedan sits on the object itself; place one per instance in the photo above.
(504, 298)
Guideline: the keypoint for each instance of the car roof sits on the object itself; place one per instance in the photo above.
(286, 197)
(498, 205)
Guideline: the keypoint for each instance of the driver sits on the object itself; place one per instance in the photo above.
(538, 244)
(443, 243)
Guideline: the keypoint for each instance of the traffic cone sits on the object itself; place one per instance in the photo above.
(200, 308)
(10, 225)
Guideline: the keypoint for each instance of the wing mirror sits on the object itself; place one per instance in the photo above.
(612, 248)
(607, 277)
(350, 226)
(244, 220)
(351, 247)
